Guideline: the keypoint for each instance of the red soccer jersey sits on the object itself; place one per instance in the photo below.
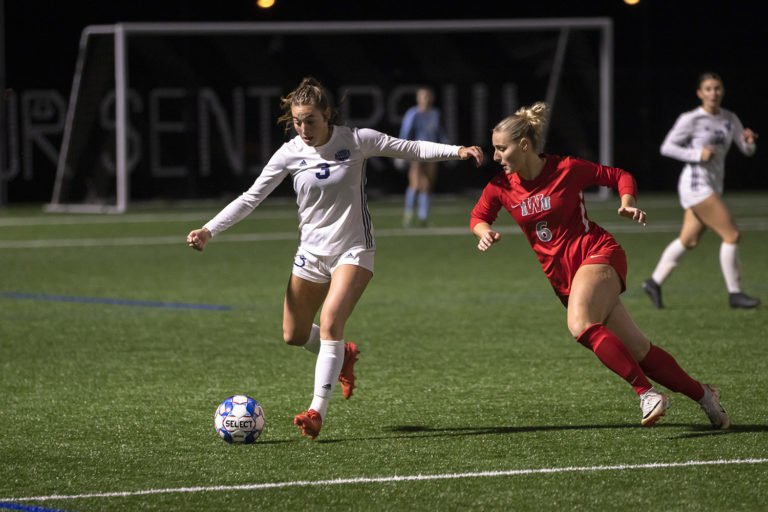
(551, 212)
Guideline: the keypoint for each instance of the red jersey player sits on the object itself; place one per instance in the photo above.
(584, 264)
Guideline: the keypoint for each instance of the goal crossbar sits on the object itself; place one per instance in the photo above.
(121, 31)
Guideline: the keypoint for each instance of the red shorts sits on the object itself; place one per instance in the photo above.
(612, 255)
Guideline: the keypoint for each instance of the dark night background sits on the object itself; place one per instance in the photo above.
(660, 48)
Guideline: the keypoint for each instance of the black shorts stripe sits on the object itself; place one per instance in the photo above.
(366, 214)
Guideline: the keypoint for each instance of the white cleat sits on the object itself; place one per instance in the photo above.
(710, 404)
(654, 406)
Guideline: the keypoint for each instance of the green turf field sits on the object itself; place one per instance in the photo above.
(471, 393)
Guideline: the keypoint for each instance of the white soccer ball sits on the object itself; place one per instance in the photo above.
(239, 419)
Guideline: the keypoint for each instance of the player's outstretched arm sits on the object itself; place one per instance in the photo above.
(486, 236)
(467, 152)
(198, 238)
(749, 136)
(630, 211)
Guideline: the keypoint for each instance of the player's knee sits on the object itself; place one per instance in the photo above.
(332, 331)
(294, 337)
(577, 326)
(732, 237)
(689, 243)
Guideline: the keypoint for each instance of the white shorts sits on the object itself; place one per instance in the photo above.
(695, 185)
(318, 269)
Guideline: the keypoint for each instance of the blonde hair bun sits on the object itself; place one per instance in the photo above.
(528, 122)
(535, 115)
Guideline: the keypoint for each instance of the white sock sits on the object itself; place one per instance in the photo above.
(668, 261)
(313, 343)
(329, 362)
(729, 263)
(707, 392)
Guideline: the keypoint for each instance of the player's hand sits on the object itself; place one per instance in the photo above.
(198, 238)
(487, 240)
(467, 152)
(749, 136)
(634, 213)
(707, 153)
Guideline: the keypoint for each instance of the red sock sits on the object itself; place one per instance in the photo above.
(662, 367)
(613, 354)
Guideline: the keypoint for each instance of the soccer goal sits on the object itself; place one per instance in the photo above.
(187, 111)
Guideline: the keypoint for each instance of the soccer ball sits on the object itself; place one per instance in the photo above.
(239, 419)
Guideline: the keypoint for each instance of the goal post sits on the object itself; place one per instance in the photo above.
(95, 74)
(140, 90)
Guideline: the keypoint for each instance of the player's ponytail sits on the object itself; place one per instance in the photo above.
(309, 92)
(528, 123)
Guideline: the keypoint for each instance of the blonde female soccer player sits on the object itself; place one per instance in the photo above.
(701, 138)
(584, 264)
(334, 260)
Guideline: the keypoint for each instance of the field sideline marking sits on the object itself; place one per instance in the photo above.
(285, 208)
(405, 478)
(754, 224)
(24, 508)
(114, 302)
(196, 217)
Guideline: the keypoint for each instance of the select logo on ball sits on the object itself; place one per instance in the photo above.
(235, 423)
(239, 419)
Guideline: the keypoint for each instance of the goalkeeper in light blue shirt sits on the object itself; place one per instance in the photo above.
(421, 122)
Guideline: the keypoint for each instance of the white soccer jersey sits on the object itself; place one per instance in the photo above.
(329, 181)
(693, 131)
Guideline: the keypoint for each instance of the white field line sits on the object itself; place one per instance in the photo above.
(385, 479)
(382, 209)
(222, 238)
(755, 224)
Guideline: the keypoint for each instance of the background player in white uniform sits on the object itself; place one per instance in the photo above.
(334, 261)
(701, 138)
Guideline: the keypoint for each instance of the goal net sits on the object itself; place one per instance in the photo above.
(187, 111)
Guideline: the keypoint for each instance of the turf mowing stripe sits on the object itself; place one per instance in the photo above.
(396, 478)
(193, 217)
(114, 302)
(25, 508)
(753, 224)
